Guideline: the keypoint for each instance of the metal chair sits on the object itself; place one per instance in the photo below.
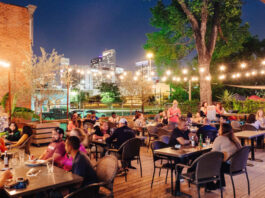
(159, 145)
(165, 139)
(106, 170)
(236, 126)
(207, 169)
(238, 165)
(151, 130)
(129, 151)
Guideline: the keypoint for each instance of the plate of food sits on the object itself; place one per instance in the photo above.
(35, 162)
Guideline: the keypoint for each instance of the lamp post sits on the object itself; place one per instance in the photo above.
(7, 65)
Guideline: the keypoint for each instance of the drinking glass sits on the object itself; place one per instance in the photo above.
(208, 141)
(14, 160)
(21, 157)
(50, 167)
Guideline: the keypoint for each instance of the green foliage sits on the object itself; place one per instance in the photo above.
(226, 99)
(189, 106)
(112, 89)
(179, 94)
(26, 113)
(107, 98)
(248, 106)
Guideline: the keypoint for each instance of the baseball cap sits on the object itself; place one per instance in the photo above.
(123, 121)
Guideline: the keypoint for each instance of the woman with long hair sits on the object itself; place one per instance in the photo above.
(203, 109)
(13, 134)
(260, 118)
(228, 144)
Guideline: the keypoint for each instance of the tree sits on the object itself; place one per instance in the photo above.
(136, 88)
(107, 98)
(213, 28)
(44, 69)
(111, 89)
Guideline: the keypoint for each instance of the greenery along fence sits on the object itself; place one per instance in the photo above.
(247, 106)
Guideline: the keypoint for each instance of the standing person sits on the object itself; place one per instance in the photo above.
(73, 123)
(174, 114)
(13, 134)
(114, 118)
(260, 118)
(203, 110)
(81, 163)
(228, 144)
(56, 149)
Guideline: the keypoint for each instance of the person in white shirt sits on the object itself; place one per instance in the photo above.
(114, 118)
(260, 119)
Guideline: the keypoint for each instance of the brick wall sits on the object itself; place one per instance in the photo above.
(15, 48)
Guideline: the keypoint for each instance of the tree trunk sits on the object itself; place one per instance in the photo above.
(205, 85)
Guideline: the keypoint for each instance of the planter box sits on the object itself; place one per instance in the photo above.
(42, 132)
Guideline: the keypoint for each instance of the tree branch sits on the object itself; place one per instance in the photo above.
(214, 32)
(184, 43)
(221, 33)
(193, 20)
(204, 16)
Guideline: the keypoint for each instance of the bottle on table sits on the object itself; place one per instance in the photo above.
(201, 141)
(6, 160)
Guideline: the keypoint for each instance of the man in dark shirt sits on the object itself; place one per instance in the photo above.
(181, 134)
(207, 130)
(121, 134)
(81, 164)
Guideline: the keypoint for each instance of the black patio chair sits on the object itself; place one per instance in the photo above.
(212, 134)
(106, 170)
(151, 130)
(207, 169)
(129, 151)
(238, 165)
(168, 165)
(165, 139)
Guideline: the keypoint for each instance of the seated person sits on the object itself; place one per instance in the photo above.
(13, 134)
(228, 144)
(68, 160)
(121, 134)
(207, 130)
(139, 122)
(4, 177)
(181, 134)
(81, 163)
(2, 145)
(26, 132)
(219, 109)
(102, 131)
(164, 118)
(158, 117)
(56, 149)
(94, 118)
(114, 118)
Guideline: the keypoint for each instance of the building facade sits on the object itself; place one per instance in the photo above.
(16, 40)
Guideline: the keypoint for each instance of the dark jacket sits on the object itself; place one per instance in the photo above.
(121, 135)
(12, 135)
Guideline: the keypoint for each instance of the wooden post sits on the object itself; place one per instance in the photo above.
(9, 96)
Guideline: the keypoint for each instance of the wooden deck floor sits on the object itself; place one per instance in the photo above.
(137, 186)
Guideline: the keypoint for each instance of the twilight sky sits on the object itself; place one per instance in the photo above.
(82, 29)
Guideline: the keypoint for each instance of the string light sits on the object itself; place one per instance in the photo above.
(149, 78)
(137, 73)
(243, 65)
(263, 62)
(70, 69)
(82, 72)
(238, 75)
(135, 78)
(168, 72)
(194, 78)
(125, 73)
(185, 79)
(247, 74)
(253, 73)
(178, 79)
(121, 77)
(222, 68)
(174, 78)
(108, 76)
(221, 77)
(262, 72)
(78, 71)
(164, 78)
(208, 78)
(202, 69)
(88, 72)
(152, 73)
(233, 76)
(184, 71)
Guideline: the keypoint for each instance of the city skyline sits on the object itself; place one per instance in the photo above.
(83, 29)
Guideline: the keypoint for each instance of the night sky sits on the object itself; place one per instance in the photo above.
(82, 29)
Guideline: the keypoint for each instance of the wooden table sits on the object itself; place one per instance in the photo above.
(250, 135)
(183, 154)
(43, 181)
(238, 115)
